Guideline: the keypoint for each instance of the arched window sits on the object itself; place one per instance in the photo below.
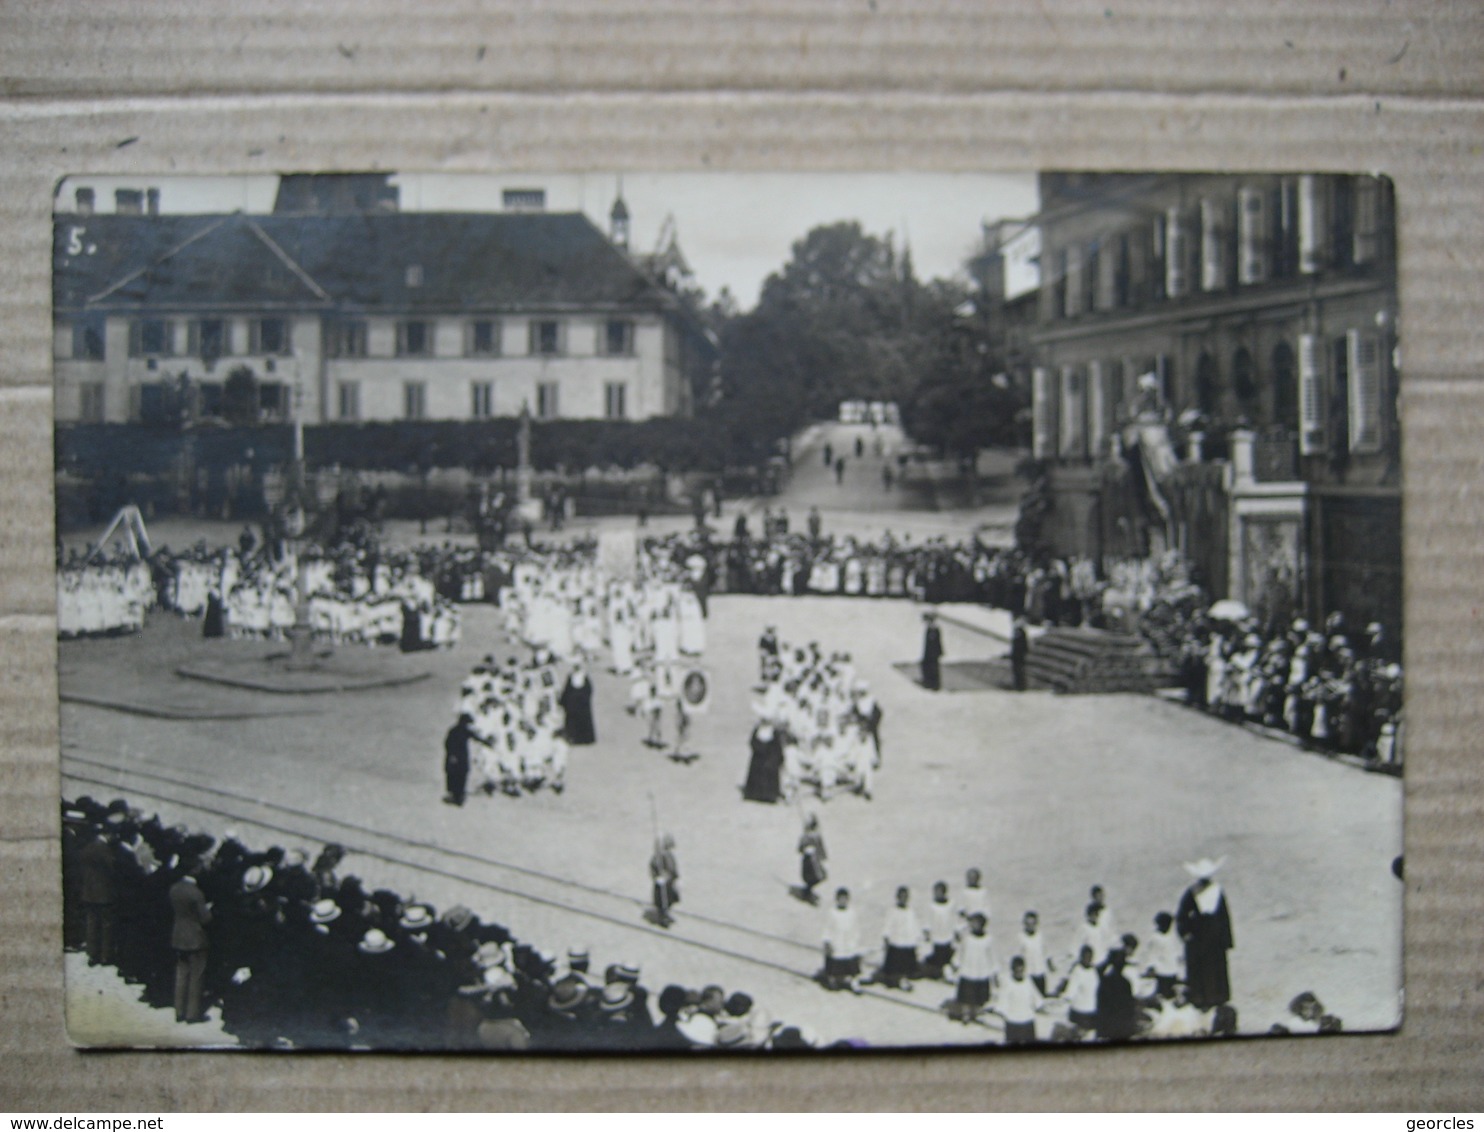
(1207, 386)
(1285, 388)
(1244, 385)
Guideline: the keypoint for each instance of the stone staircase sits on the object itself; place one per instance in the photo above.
(1077, 661)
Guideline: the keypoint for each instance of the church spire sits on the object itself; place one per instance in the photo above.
(618, 220)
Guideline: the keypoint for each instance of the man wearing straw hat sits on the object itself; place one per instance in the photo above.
(1205, 925)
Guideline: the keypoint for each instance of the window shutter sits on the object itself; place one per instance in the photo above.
(1313, 222)
(1073, 414)
(1253, 238)
(1311, 397)
(1103, 401)
(1110, 263)
(1213, 245)
(1043, 414)
(1076, 290)
(1367, 219)
(1365, 392)
(1177, 252)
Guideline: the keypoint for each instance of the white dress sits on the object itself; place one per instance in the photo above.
(692, 627)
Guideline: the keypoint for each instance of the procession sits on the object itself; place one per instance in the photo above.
(714, 678)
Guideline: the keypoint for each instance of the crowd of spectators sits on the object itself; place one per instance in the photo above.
(291, 952)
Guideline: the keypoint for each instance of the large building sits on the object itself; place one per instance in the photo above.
(337, 307)
(1216, 372)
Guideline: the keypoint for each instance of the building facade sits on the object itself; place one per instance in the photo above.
(1216, 371)
(343, 315)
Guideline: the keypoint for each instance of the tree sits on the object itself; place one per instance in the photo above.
(832, 324)
(964, 400)
(240, 397)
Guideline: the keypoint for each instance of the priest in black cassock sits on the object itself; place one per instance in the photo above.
(932, 654)
(1206, 927)
(765, 770)
(577, 705)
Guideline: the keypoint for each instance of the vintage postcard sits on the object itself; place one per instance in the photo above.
(695, 612)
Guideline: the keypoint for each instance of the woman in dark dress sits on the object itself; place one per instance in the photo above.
(765, 770)
(577, 703)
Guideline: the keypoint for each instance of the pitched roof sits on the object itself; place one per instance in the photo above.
(463, 261)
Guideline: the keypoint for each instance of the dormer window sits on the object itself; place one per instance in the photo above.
(414, 275)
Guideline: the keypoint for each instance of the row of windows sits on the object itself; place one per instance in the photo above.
(483, 337)
(1303, 226)
(91, 404)
(1331, 395)
(482, 400)
(211, 338)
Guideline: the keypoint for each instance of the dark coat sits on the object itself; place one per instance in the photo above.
(765, 770)
(96, 867)
(191, 916)
(1208, 937)
(577, 703)
(456, 758)
(932, 653)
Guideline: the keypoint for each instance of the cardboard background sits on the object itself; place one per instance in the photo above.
(121, 86)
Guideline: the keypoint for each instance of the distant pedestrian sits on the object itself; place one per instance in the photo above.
(1019, 652)
(816, 524)
(456, 760)
(664, 872)
(860, 448)
(829, 455)
(190, 942)
(811, 858)
(840, 470)
(932, 653)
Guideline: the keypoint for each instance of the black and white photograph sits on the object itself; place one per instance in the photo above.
(665, 612)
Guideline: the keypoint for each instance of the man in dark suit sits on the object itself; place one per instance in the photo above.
(99, 886)
(932, 654)
(1019, 650)
(189, 940)
(456, 760)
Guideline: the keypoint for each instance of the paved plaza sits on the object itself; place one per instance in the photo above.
(1048, 795)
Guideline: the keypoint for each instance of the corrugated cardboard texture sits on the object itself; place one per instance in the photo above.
(214, 87)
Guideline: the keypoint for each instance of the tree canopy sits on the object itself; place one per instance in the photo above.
(845, 318)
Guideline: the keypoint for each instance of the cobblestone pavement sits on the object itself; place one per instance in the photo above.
(1047, 795)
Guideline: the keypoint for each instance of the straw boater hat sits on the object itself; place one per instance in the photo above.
(374, 942)
(325, 911)
(458, 917)
(491, 954)
(567, 994)
(417, 917)
(1204, 869)
(622, 973)
(616, 997)
(256, 878)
